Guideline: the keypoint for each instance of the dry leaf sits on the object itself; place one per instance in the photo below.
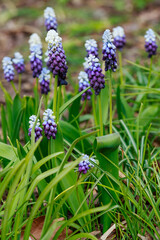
(37, 226)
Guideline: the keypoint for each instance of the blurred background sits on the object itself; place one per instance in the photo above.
(78, 21)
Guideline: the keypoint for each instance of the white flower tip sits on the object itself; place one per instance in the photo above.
(34, 40)
(118, 32)
(150, 35)
(6, 61)
(53, 38)
(83, 77)
(107, 36)
(49, 12)
(90, 43)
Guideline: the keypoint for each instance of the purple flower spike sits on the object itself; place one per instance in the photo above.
(91, 47)
(96, 77)
(36, 54)
(18, 63)
(109, 51)
(119, 37)
(85, 164)
(56, 60)
(83, 84)
(50, 127)
(50, 19)
(38, 129)
(44, 80)
(150, 43)
(8, 69)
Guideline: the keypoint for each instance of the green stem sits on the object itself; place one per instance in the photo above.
(150, 71)
(110, 103)
(100, 115)
(37, 93)
(19, 82)
(55, 94)
(83, 107)
(46, 101)
(14, 88)
(59, 102)
(120, 67)
(94, 109)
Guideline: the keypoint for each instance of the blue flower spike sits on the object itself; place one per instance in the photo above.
(50, 19)
(83, 84)
(50, 127)
(56, 60)
(109, 51)
(150, 43)
(119, 37)
(35, 54)
(38, 129)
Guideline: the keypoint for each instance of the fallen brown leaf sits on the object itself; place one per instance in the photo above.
(37, 228)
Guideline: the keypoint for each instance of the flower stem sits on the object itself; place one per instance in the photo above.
(14, 88)
(46, 101)
(83, 108)
(55, 94)
(36, 92)
(94, 109)
(100, 115)
(120, 67)
(110, 103)
(59, 102)
(150, 71)
(19, 82)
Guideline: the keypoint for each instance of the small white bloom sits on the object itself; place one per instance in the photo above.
(90, 43)
(150, 36)
(53, 39)
(48, 115)
(45, 75)
(83, 78)
(34, 40)
(32, 120)
(107, 36)
(49, 12)
(90, 60)
(118, 32)
(6, 61)
(18, 58)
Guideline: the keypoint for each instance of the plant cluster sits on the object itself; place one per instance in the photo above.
(82, 160)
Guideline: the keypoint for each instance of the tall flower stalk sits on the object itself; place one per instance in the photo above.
(35, 60)
(109, 56)
(56, 62)
(151, 49)
(96, 77)
(8, 70)
(119, 42)
(18, 62)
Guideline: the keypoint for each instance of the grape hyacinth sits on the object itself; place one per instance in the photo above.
(38, 129)
(50, 19)
(83, 84)
(85, 164)
(91, 47)
(150, 43)
(109, 51)
(50, 127)
(18, 63)
(44, 80)
(95, 75)
(57, 59)
(119, 37)
(36, 54)
(8, 69)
